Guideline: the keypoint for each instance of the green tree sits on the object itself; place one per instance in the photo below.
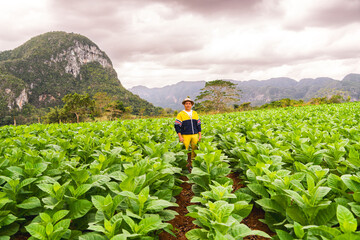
(245, 106)
(141, 112)
(78, 104)
(102, 100)
(58, 115)
(336, 99)
(217, 94)
(115, 109)
(128, 110)
(319, 100)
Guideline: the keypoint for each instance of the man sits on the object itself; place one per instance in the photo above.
(188, 126)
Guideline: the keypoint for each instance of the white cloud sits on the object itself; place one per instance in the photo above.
(21, 20)
(158, 42)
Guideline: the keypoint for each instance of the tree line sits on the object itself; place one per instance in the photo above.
(216, 97)
(83, 107)
(224, 96)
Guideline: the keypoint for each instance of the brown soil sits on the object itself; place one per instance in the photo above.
(181, 223)
(20, 237)
(237, 182)
(252, 221)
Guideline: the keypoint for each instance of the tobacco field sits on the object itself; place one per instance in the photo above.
(119, 180)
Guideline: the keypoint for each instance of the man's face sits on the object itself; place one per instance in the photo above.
(188, 106)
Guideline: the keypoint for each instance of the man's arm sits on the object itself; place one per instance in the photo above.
(199, 128)
(178, 123)
(181, 139)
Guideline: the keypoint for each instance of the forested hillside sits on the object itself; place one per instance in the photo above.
(39, 73)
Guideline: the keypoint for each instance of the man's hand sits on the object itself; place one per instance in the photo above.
(181, 139)
(199, 136)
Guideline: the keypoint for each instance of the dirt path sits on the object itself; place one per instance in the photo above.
(184, 224)
(181, 223)
(252, 221)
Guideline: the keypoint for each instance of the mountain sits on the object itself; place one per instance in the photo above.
(169, 96)
(47, 67)
(255, 91)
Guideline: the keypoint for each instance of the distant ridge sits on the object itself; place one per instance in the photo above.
(255, 91)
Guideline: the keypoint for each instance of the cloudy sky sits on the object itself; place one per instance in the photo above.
(160, 42)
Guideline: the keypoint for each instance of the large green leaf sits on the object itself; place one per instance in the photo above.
(59, 215)
(79, 208)
(64, 224)
(354, 157)
(130, 223)
(319, 194)
(30, 203)
(82, 189)
(346, 220)
(197, 234)
(258, 189)
(26, 182)
(4, 200)
(296, 197)
(241, 230)
(9, 230)
(160, 204)
(348, 236)
(144, 195)
(149, 224)
(324, 231)
(45, 217)
(48, 188)
(355, 208)
(324, 216)
(80, 176)
(284, 235)
(224, 211)
(98, 201)
(242, 209)
(36, 230)
(114, 187)
(7, 220)
(49, 228)
(92, 236)
(299, 231)
(119, 237)
(270, 205)
(351, 184)
(296, 214)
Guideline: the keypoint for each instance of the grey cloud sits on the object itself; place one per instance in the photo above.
(339, 13)
(215, 7)
(331, 14)
(85, 8)
(111, 24)
(267, 58)
(185, 28)
(154, 47)
(87, 15)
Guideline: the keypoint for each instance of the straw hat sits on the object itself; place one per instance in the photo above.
(187, 100)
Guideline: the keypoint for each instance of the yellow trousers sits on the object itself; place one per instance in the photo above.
(193, 140)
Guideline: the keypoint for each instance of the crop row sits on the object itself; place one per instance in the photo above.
(115, 180)
(88, 181)
(218, 212)
(301, 165)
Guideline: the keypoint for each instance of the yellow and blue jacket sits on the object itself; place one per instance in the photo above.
(186, 125)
